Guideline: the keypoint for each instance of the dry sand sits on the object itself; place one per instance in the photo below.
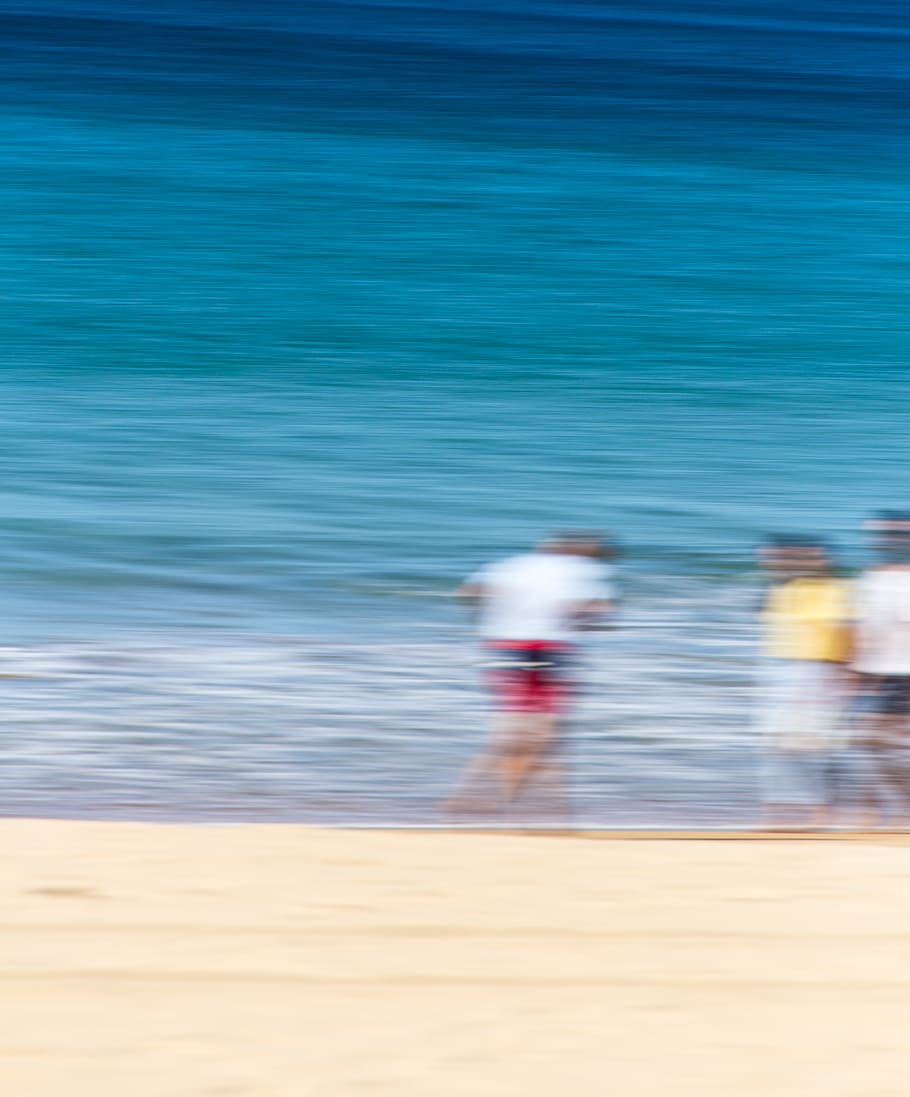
(276, 961)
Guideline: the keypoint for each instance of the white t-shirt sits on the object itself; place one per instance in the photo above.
(882, 609)
(533, 596)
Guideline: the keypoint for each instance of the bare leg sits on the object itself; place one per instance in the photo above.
(462, 799)
(869, 812)
(498, 762)
(865, 792)
(784, 798)
(888, 746)
(798, 790)
(526, 751)
(521, 751)
(556, 804)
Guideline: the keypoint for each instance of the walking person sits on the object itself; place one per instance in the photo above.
(805, 685)
(882, 667)
(529, 610)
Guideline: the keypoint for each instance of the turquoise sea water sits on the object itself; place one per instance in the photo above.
(310, 309)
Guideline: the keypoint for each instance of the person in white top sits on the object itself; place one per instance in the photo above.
(528, 610)
(881, 662)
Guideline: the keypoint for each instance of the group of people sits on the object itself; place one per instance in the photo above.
(834, 678)
(834, 710)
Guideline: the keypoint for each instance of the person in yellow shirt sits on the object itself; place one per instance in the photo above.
(806, 646)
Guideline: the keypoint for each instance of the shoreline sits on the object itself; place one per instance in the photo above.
(639, 833)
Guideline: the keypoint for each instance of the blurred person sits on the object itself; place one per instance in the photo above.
(806, 626)
(529, 610)
(882, 667)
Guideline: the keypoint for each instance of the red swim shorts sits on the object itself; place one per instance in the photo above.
(529, 675)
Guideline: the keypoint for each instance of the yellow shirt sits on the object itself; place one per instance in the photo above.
(808, 619)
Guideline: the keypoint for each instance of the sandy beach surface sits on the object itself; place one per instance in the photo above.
(281, 961)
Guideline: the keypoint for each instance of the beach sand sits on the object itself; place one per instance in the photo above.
(281, 961)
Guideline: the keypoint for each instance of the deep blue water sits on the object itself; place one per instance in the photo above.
(311, 308)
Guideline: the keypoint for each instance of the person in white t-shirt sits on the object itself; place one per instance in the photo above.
(529, 610)
(881, 662)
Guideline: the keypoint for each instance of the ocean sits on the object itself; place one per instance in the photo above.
(310, 309)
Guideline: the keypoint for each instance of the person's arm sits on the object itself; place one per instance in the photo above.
(851, 682)
(471, 594)
(595, 610)
(594, 614)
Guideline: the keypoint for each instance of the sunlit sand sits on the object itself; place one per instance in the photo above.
(281, 961)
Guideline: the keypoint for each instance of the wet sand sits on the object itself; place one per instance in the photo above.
(281, 961)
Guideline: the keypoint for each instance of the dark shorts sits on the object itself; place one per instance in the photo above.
(529, 675)
(888, 694)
